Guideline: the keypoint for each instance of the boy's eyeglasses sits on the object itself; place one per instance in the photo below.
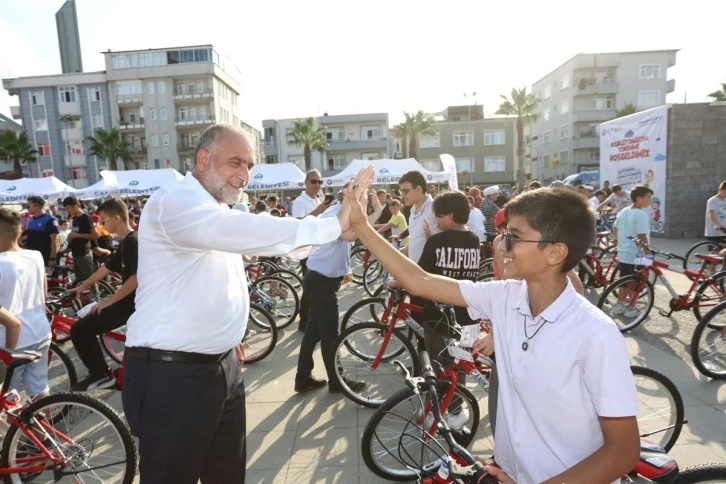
(102, 222)
(510, 239)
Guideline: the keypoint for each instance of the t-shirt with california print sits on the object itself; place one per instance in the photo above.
(455, 254)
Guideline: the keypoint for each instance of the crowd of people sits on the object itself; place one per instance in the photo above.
(184, 301)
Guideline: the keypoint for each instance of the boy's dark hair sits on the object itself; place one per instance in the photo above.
(261, 206)
(113, 207)
(722, 186)
(380, 191)
(415, 178)
(454, 203)
(9, 224)
(560, 216)
(36, 200)
(615, 188)
(639, 191)
(71, 202)
(501, 201)
(535, 185)
(273, 198)
(599, 192)
(395, 203)
(63, 221)
(275, 213)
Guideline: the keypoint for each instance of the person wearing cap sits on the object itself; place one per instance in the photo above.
(585, 191)
(489, 208)
(557, 184)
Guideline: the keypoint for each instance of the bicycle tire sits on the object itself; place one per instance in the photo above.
(70, 368)
(81, 399)
(342, 342)
(712, 246)
(291, 277)
(371, 275)
(621, 282)
(284, 321)
(270, 326)
(355, 255)
(369, 432)
(696, 338)
(106, 344)
(675, 395)
(374, 318)
(720, 279)
(703, 473)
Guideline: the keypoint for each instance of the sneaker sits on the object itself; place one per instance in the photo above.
(632, 312)
(354, 385)
(619, 308)
(311, 383)
(93, 382)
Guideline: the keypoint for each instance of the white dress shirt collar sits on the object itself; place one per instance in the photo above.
(553, 311)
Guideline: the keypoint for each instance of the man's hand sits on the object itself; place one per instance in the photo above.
(100, 307)
(354, 193)
(484, 345)
(499, 475)
(427, 228)
(322, 207)
(51, 263)
(71, 236)
(240, 351)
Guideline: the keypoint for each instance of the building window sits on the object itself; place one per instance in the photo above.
(165, 139)
(547, 92)
(70, 124)
(546, 114)
(547, 137)
(37, 98)
(152, 114)
(74, 148)
(648, 98)
(183, 114)
(464, 165)
(299, 160)
(77, 172)
(67, 94)
(369, 133)
(154, 140)
(494, 137)
(193, 114)
(157, 163)
(595, 155)
(44, 149)
(47, 173)
(161, 87)
(565, 82)
(130, 88)
(150, 87)
(463, 138)
(370, 156)
(564, 131)
(429, 141)
(162, 112)
(270, 159)
(94, 93)
(565, 106)
(337, 162)
(40, 124)
(494, 163)
(200, 87)
(650, 71)
(202, 113)
(546, 161)
(431, 165)
(564, 158)
(334, 134)
(601, 103)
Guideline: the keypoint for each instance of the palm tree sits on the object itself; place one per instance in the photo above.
(719, 95)
(16, 149)
(627, 110)
(523, 106)
(304, 133)
(419, 124)
(108, 145)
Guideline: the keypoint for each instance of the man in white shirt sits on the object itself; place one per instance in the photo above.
(618, 200)
(183, 392)
(308, 204)
(716, 216)
(421, 223)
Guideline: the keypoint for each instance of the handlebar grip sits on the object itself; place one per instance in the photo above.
(481, 476)
(425, 361)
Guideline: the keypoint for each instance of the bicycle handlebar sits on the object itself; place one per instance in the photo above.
(640, 243)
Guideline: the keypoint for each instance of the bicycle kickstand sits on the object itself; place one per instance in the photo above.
(665, 314)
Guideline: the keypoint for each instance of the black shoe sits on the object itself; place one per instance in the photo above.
(354, 385)
(311, 383)
(93, 382)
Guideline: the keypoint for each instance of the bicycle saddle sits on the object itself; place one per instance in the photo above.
(18, 358)
(710, 258)
(655, 465)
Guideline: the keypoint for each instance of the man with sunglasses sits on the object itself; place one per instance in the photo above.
(308, 204)
(79, 240)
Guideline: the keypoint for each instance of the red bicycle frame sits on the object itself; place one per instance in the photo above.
(396, 309)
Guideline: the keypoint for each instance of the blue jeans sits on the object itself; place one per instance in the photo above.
(322, 327)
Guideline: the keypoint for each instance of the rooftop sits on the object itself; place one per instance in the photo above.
(109, 51)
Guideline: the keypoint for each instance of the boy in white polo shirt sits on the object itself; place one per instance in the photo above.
(567, 400)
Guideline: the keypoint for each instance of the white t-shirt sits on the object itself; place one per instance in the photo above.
(594, 203)
(619, 202)
(303, 205)
(416, 234)
(21, 292)
(476, 223)
(718, 205)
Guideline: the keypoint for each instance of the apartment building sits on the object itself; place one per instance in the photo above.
(484, 148)
(163, 99)
(349, 136)
(6, 169)
(59, 112)
(585, 91)
(256, 136)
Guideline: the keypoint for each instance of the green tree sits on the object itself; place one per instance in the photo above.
(109, 146)
(414, 126)
(16, 149)
(305, 134)
(523, 106)
(719, 95)
(627, 110)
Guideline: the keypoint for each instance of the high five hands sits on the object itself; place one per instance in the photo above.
(353, 196)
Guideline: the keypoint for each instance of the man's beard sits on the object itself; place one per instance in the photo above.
(216, 187)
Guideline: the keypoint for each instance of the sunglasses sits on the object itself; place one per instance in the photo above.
(510, 239)
(316, 182)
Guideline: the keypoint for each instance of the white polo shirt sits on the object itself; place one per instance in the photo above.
(576, 368)
(416, 235)
(303, 205)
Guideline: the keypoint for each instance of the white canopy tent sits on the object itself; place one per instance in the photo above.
(18, 191)
(388, 171)
(132, 183)
(275, 176)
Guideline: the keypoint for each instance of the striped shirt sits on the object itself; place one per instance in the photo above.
(489, 209)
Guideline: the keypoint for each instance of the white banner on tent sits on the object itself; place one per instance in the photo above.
(50, 188)
(387, 172)
(633, 152)
(450, 167)
(131, 183)
(275, 176)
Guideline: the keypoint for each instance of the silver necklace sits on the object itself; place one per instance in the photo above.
(525, 344)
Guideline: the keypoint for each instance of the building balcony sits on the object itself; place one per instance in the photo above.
(15, 112)
(185, 96)
(586, 142)
(69, 109)
(593, 116)
(135, 125)
(194, 122)
(138, 151)
(355, 145)
(585, 87)
(671, 85)
(130, 100)
(593, 61)
(270, 142)
(72, 134)
(185, 148)
(74, 160)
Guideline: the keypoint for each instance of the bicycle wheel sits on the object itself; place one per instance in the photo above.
(113, 345)
(356, 350)
(710, 293)
(291, 277)
(693, 263)
(708, 344)
(661, 407)
(633, 307)
(702, 474)
(61, 370)
(359, 260)
(371, 311)
(267, 267)
(373, 277)
(279, 298)
(260, 334)
(395, 444)
(93, 438)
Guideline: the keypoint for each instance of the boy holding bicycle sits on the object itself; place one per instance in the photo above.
(567, 401)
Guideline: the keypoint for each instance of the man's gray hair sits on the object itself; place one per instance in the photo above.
(211, 136)
(311, 173)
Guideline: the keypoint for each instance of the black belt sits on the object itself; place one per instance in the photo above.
(338, 279)
(152, 354)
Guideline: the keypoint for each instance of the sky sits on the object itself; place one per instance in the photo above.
(303, 58)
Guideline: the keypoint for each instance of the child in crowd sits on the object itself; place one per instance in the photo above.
(397, 223)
